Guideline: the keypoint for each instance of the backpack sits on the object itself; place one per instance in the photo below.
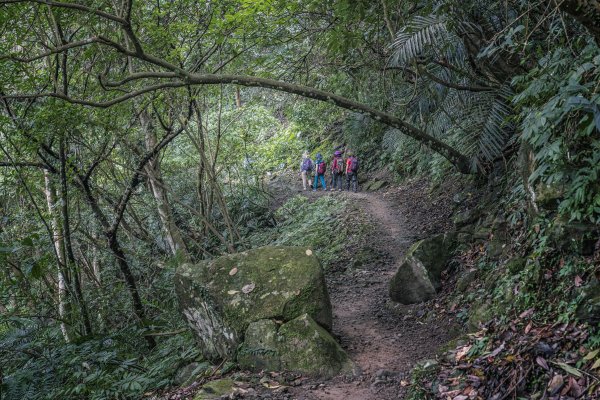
(321, 168)
(307, 165)
(338, 165)
(353, 164)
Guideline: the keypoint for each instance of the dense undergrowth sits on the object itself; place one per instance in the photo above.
(110, 366)
(526, 286)
(317, 224)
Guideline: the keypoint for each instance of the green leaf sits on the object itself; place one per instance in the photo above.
(591, 355)
(569, 369)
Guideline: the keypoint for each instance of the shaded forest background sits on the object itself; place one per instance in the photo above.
(136, 136)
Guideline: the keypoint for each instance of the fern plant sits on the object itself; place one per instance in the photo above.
(447, 97)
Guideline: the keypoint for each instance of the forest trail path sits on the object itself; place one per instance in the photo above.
(383, 340)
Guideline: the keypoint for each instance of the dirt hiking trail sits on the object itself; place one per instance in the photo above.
(383, 339)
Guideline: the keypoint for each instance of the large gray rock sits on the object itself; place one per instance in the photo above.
(419, 275)
(300, 345)
(222, 297)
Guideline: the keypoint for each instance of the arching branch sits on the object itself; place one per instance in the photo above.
(181, 77)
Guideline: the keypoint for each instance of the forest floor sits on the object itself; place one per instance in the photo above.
(383, 339)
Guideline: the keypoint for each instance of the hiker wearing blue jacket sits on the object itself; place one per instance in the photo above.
(306, 167)
(320, 168)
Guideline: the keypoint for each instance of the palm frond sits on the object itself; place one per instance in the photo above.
(413, 40)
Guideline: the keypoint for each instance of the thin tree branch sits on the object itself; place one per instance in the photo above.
(52, 51)
(470, 88)
(73, 6)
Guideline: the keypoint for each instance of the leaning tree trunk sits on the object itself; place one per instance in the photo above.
(165, 212)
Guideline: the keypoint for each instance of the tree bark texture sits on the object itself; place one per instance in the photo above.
(57, 238)
(152, 169)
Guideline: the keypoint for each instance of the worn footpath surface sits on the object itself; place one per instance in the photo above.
(383, 339)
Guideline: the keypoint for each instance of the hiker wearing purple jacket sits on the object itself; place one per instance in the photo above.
(306, 167)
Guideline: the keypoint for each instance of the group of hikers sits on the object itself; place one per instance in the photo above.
(339, 168)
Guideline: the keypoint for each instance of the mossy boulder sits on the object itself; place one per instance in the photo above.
(465, 280)
(261, 349)
(465, 219)
(588, 309)
(300, 345)
(377, 185)
(479, 314)
(186, 374)
(222, 297)
(580, 237)
(418, 277)
(215, 389)
(516, 265)
(549, 197)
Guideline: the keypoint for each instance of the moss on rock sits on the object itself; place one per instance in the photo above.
(300, 345)
(215, 389)
(419, 275)
(222, 297)
(260, 350)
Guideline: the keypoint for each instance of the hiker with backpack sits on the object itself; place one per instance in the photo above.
(306, 167)
(352, 172)
(320, 168)
(337, 170)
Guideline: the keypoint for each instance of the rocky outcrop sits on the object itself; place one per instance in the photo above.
(216, 389)
(270, 303)
(419, 275)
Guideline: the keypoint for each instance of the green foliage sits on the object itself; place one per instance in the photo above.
(316, 225)
(559, 106)
(36, 367)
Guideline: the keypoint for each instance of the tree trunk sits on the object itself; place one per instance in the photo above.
(57, 238)
(66, 230)
(115, 247)
(238, 98)
(165, 213)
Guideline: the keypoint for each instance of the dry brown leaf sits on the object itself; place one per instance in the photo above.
(555, 384)
(591, 355)
(233, 271)
(542, 363)
(462, 352)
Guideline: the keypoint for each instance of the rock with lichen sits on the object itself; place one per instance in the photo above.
(419, 274)
(300, 345)
(221, 298)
